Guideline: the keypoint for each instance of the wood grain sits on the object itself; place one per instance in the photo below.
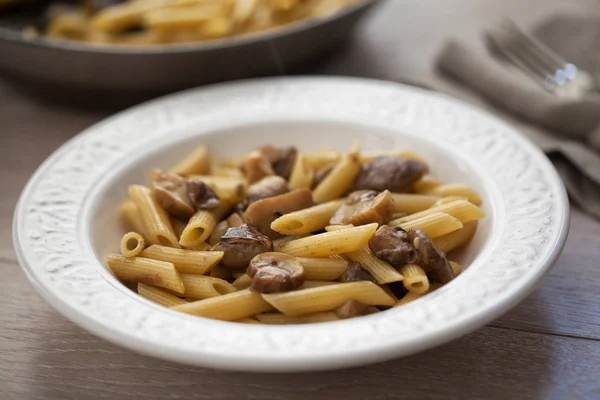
(548, 347)
(46, 357)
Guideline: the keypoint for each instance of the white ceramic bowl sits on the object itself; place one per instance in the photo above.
(66, 220)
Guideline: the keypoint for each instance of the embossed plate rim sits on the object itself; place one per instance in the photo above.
(169, 335)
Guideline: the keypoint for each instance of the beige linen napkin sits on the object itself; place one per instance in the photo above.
(567, 130)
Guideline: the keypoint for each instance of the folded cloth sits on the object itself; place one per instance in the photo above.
(570, 128)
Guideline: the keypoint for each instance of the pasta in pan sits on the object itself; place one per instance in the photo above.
(285, 237)
(147, 22)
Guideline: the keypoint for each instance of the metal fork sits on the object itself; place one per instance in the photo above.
(539, 62)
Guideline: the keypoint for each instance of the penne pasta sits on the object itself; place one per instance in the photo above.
(456, 268)
(456, 189)
(300, 273)
(411, 203)
(330, 243)
(282, 319)
(412, 296)
(326, 298)
(415, 278)
(123, 16)
(201, 225)
(324, 269)
(308, 220)
(426, 183)
(460, 209)
(242, 282)
(434, 225)
(155, 219)
(196, 163)
(228, 307)
(323, 158)
(231, 190)
(169, 19)
(277, 243)
(159, 22)
(130, 215)
(339, 181)
(381, 270)
(158, 296)
(457, 238)
(314, 284)
(132, 244)
(223, 171)
(199, 247)
(449, 199)
(302, 174)
(185, 261)
(151, 272)
(200, 287)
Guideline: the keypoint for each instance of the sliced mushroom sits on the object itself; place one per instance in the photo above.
(256, 166)
(355, 272)
(270, 152)
(200, 195)
(393, 245)
(241, 244)
(267, 187)
(432, 259)
(275, 272)
(351, 308)
(282, 159)
(170, 191)
(265, 211)
(395, 174)
(234, 220)
(365, 207)
(323, 172)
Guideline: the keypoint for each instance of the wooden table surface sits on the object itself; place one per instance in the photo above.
(548, 347)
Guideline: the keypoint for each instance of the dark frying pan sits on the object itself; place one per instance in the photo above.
(124, 75)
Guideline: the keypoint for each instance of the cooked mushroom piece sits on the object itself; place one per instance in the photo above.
(351, 308)
(322, 173)
(200, 195)
(395, 174)
(393, 245)
(365, 207)
(275, 272)
(432, 259)
(256, 166)
(267, 187)
(282, 159)
(265, 211)
(270, 152)
(355, 272)
(241, 244)
(170, 191)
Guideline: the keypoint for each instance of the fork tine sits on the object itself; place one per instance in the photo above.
(542, 52)
(500, 41)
